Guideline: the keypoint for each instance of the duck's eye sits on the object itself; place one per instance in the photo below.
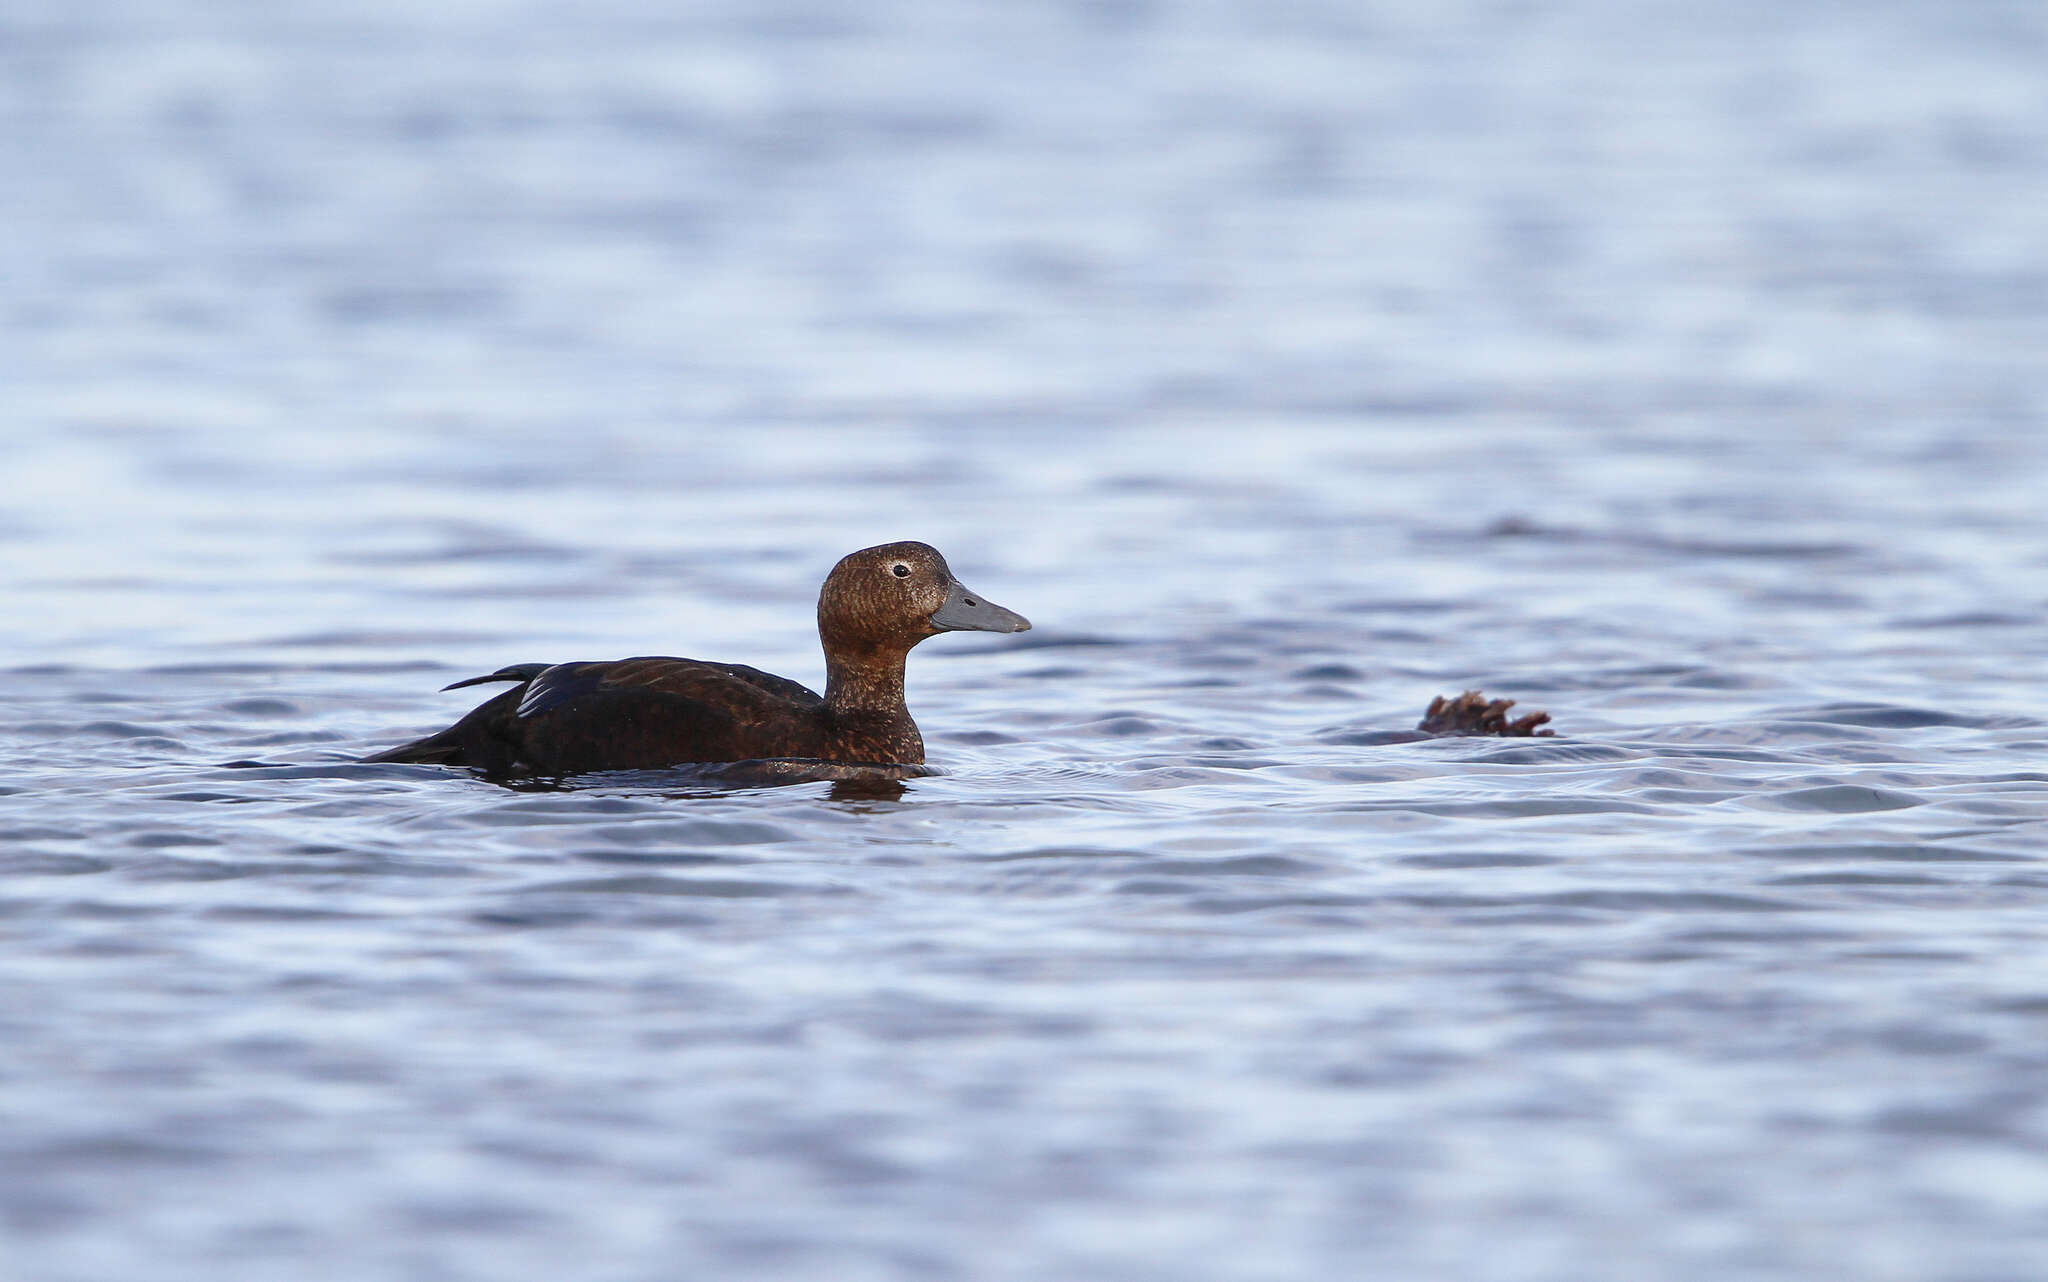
(900, 570)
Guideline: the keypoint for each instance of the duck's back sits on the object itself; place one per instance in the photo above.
(629, 714)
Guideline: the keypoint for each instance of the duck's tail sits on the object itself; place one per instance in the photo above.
(470, 741)
(443, 749)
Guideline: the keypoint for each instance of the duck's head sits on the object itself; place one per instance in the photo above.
(893, 596)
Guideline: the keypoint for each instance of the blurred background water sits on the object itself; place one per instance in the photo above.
(1677, 368)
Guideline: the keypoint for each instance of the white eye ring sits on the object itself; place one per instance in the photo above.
(900, 570)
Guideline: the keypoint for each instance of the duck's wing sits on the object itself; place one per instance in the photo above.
(728, 685)
(622, 714)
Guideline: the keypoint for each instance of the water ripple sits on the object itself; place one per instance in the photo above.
(1674, 369)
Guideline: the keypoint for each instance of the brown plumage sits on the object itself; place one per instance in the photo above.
(1472, 713)
(650, 712)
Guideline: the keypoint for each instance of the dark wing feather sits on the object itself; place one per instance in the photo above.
(521, 672)
(651, 711)
(731, 685)
(626, 714)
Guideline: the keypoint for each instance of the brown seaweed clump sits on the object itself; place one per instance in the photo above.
(1472, 713)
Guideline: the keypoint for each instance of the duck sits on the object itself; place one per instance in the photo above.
(653, 711)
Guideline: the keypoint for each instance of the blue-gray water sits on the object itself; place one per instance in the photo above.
(1681, 369)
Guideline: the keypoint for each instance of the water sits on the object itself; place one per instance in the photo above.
(1677, 370)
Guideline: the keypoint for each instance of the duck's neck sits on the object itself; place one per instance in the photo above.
(869, 683)
(864, 697)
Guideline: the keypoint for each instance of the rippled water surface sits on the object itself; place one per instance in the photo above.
(1676, 369)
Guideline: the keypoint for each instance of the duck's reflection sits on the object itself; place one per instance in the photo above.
(850, 782)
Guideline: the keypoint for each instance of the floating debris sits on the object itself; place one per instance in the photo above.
(1472, 713)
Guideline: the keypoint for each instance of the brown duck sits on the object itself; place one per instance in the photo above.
(646, 713)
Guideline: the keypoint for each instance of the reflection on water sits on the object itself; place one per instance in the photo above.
(849, 782)
(1675, 372)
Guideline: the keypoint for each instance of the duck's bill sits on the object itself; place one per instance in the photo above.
(964, 611)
